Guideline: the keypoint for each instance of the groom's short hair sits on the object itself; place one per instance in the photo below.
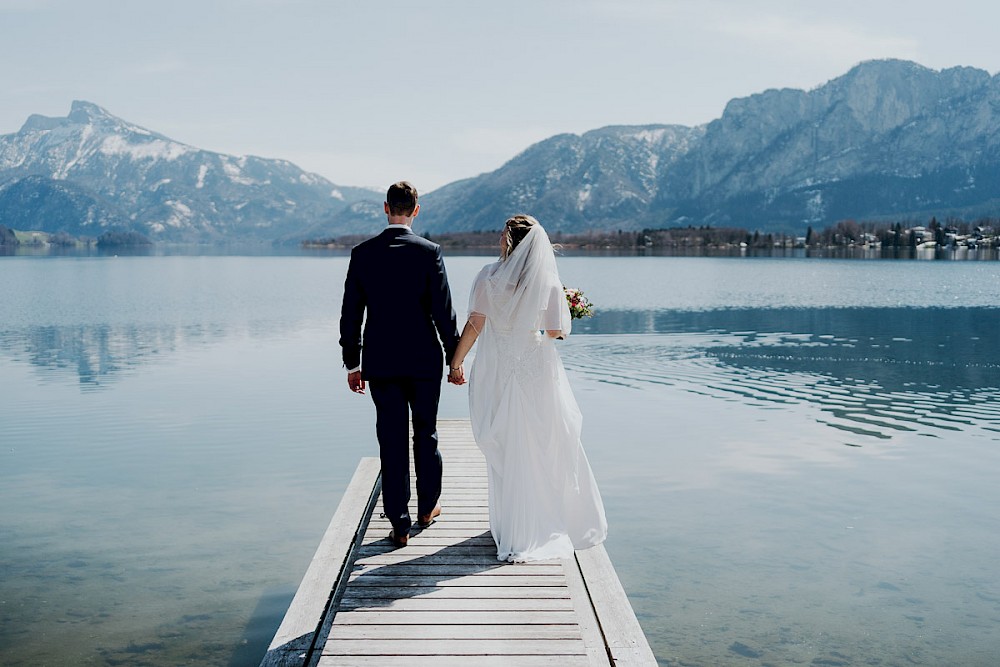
(401, 198)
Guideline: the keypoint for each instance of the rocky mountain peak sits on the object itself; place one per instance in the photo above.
(90, 170)
(882, 95)
(39, 123)
(84, 112)
(82, 115)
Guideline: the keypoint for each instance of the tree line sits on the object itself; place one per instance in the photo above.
(842, 233)
(109, 239)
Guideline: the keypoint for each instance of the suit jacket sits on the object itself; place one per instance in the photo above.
(397, 286)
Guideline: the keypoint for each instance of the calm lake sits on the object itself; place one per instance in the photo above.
(800, 458)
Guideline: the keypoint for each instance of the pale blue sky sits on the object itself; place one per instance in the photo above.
(434, 91)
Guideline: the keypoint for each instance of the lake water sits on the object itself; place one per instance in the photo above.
(800, 459)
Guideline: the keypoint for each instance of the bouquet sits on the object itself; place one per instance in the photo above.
(579, 305)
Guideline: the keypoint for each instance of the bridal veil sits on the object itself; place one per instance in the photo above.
(544, 501)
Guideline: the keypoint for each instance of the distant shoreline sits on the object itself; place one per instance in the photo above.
(847, 239)
(889, 239)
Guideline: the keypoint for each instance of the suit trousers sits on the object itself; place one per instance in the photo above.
(395, 401)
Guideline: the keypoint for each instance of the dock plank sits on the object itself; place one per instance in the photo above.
(624, 638)
(456, 632)
(298, 631)
(469, 580)
(477, 592)
(445, 599)
(512, 647)
(454, 661)
(456, 618)
(425, 603)
(424, 569)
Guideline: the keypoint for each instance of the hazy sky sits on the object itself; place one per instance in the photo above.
(365, 93)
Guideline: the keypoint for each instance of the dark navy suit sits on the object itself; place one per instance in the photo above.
(397, 287)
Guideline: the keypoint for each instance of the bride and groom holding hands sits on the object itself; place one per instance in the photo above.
(398, 329)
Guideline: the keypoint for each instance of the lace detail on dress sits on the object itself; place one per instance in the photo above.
(520, 357)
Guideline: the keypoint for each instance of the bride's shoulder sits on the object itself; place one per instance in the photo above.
(489, 269)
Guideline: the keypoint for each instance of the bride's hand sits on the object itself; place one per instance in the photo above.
(456, 376)
(555, 333)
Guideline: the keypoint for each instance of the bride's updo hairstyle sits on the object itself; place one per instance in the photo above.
(517, 228)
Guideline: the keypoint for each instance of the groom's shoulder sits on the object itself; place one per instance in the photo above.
(365, 245)
(425, 243)
(383, 242)
(417, 242)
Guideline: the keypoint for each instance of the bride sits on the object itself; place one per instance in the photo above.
(544, 502)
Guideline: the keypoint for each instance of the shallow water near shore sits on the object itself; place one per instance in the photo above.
(799, 458)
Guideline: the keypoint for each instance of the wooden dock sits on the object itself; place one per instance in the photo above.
(445, 599)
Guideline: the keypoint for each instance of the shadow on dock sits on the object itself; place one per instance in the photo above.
(445, 599)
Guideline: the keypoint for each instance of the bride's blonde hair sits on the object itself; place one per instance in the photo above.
(517, 228)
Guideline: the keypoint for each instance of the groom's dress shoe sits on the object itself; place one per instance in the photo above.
(398, 541)
(425, 520)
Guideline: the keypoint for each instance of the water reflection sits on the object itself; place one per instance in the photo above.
(97, 354)
(171, 512)
(872, 373)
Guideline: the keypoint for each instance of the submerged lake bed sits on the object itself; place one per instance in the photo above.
(799, 457)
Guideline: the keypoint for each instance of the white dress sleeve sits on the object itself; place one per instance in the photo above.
(479, 297)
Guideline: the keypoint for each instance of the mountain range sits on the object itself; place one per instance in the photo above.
(91, 171)
(889, 139)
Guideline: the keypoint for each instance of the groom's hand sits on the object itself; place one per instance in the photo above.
(355, 382)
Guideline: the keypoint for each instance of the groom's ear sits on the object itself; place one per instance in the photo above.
(416, 209)
(385, 205)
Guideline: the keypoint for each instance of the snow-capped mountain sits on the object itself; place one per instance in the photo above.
(889, 139)
(571, 181)
(92, 171)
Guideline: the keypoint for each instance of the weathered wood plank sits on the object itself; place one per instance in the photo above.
(455, 661)
(456, 618)
(458, 494)
(590, 629)
(624, 638)
(379, 632)
(437, 647)
(477, 592)
(297, 632)
(449, 503)
(436, 540)
(470, 580)
(465, 509)
(455, 604)
(467, 521)
(436, 537)
(383, 547)
(436, 531)
(461, 522)
(399, 556)
(451, 511)
(453, 569)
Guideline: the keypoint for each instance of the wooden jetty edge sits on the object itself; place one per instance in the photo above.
(445, 599)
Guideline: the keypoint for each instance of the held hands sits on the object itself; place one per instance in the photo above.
(355, 382)
(456, 376)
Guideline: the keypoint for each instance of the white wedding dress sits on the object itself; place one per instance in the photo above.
(543, 498)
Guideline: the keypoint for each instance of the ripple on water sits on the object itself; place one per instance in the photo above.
(783, 370)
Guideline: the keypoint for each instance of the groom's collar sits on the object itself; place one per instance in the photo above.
(406, 227)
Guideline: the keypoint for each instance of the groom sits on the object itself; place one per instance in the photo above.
(409, 333)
